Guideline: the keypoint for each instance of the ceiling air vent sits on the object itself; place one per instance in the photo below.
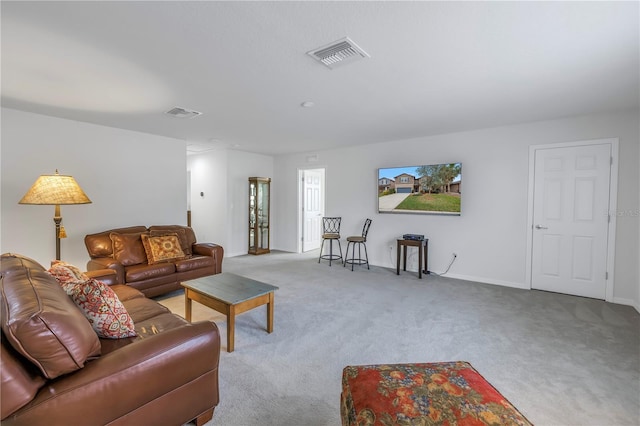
(182, 113)
(338, 53)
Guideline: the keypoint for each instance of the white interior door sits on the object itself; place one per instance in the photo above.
(570, 219)
(312, 208)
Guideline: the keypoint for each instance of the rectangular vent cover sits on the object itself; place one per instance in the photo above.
(182, 113)
(338, 53)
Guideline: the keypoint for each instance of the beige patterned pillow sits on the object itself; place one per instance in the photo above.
(182, 236)
(163, 248)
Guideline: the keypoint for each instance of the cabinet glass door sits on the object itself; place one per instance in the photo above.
(259, 217)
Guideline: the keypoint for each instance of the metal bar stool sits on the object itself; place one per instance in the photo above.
(360, 240)
(331, 232)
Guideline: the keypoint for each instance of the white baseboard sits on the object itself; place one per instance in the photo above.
(523, 286)
(489, 281)
(619, 300)
(628, 302)
(242, 253)
(512, 284)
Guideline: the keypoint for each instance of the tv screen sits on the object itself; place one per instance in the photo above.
(427, 189)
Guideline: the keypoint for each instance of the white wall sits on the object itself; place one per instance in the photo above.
(490, 235)
(209, 196)
(132, 178)
(135, 178)
(223, 176)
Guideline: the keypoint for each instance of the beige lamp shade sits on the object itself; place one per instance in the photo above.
(55, 190)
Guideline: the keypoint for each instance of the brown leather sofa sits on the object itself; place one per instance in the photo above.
(122, 250)
(56, 371)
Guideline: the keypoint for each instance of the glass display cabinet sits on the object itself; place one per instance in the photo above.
(259, 205)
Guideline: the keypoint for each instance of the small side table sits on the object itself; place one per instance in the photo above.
(422, 254)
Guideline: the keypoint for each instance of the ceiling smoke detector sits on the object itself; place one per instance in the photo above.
(182, 113)
(338, 53)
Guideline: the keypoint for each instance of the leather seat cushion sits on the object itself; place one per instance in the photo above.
(125, 292)
(145, 328)
(144, 272)
(159, 324)
(195, 262)
(142, 309)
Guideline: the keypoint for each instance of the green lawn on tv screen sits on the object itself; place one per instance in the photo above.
(431, 202)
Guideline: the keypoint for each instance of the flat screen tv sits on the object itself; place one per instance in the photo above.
(427, 189)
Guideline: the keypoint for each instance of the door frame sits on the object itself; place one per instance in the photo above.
(613, 202)
(300, 215)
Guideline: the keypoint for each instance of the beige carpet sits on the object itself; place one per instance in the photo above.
(561, 360)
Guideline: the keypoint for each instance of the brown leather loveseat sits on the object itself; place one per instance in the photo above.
(55, 370)
(123, 250)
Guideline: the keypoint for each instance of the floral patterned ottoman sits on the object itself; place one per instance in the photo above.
(442, 393)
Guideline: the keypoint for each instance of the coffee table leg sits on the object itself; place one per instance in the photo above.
(231, 328)
(270, 313)
(187, 306)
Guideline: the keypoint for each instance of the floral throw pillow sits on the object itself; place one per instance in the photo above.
(65, 272)
(98, 302)
(162, 248)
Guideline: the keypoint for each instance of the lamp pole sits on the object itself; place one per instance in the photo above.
(57, 219)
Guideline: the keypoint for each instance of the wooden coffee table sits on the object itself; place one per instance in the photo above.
(229, 294)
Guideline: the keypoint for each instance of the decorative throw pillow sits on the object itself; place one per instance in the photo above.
(128, 248)
(97, 301)
(100, 304)
(163, 248)
(65, 272)
(154, 231)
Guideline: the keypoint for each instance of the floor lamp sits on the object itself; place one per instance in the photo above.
(56, 190)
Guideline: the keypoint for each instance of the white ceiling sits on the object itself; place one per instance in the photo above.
(435, 67)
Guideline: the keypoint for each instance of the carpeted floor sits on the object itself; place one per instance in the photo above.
(561, 360)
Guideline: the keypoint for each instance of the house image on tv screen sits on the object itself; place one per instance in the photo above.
(428, 189)
(406, 183)
(386, 185)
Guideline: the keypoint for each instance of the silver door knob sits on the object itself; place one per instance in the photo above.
(541, 227)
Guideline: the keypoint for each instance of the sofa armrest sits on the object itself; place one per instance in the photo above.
(107, 276)
(210, 249)
(99, 263)
(115, 385)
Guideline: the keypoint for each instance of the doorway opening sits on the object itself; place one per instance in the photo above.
(311, 207)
